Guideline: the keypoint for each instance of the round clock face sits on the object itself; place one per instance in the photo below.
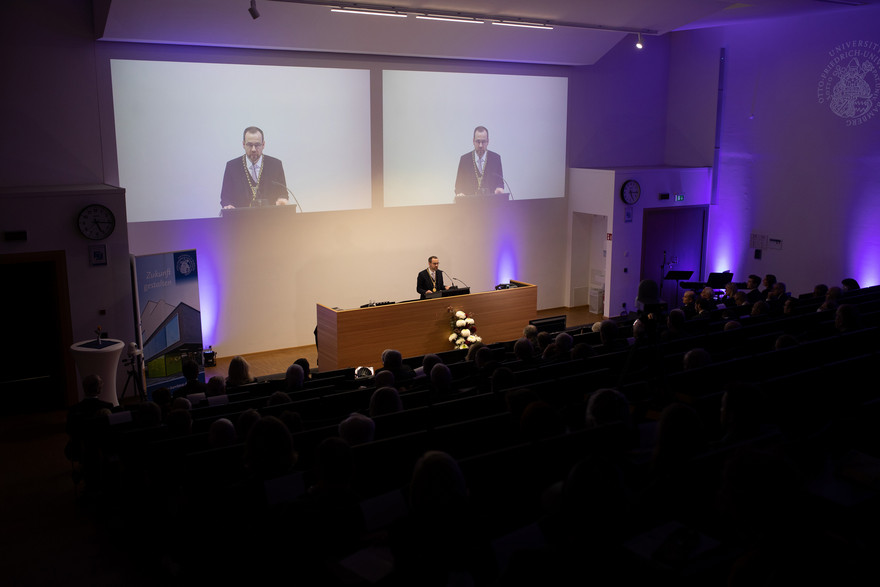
(630, 191)
(96, 222)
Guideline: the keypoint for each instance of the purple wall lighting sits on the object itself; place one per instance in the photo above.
(506, 265)
(863, 244)
(209, 294)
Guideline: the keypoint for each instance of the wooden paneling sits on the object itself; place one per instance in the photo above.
(348, 338)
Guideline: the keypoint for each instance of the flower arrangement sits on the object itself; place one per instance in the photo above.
(464, 331)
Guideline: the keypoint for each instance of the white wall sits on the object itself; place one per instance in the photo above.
(99, 295)
(261, 274)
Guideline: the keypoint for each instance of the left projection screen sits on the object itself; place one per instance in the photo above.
(177, 124)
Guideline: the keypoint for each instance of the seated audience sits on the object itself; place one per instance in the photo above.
(221, 433)
(608, 334)
(688, 306)
(441, 381)
(83, 428)
(179, 422)
(269, 449)
(385, 400)
(523, 351)
(304, 364)
(190, 371)
(239, 372)
(847, 318)
(440, 540)
(530, 333)
(730, 291)
(357, 429)
(392, 361)
(696, 358)
(245, 422)
(294, 377)
(215, 386)
(428, 362)
(849, 284)
(768, 283)
(753, 286)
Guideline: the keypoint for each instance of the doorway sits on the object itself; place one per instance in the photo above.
(673, 239)
(38, 370)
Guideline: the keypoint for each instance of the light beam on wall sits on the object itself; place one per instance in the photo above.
(506, 265)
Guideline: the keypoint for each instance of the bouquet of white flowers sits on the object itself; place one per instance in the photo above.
(464, 330)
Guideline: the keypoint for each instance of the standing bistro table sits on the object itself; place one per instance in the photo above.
(92, 357)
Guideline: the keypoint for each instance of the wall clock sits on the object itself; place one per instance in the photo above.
(630, 191)
(96, 222)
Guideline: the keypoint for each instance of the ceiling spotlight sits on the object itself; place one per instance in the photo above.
(255, 14)
(639, 43)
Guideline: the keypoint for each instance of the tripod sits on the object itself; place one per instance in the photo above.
(134, 376)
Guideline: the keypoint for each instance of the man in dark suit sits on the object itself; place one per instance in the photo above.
(480, 171)
(431, 279)
(253, 179)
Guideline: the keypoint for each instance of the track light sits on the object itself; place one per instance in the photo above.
(255, 14)
(523, 25)
(369, 12)
(639, 43)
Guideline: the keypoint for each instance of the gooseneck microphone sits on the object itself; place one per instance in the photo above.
(289, 191)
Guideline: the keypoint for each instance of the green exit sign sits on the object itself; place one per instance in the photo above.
(679, 197)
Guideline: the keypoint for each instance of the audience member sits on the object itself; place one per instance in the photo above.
(392, 361)
(294, 377)
(523, 351)
(245, 422)
(162, 397)
(278, 398)
(696, 358)
(239, 372)
(385, 400)
(190, 371)
(357, 429)
(608, 334)
(149, 415)
(84, 429)
(428, 362)
(269, 449)
(181, 403)
(179, 422)
(607, 406)
(440, 538)
(441, 381)
(582, 351)
(292, 420)
(849, 284)
(304, 365)
(216, 386)
(688, 304)
(847, 319)
(221, 433)
(530, 333)
(675, 326)
(768, 283)
(544, 340)
(730, 291)
(384, 378)
(753, 286)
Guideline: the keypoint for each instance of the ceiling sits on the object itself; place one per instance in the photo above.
(590, 28)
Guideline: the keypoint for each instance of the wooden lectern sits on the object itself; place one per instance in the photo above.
(350, 338)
